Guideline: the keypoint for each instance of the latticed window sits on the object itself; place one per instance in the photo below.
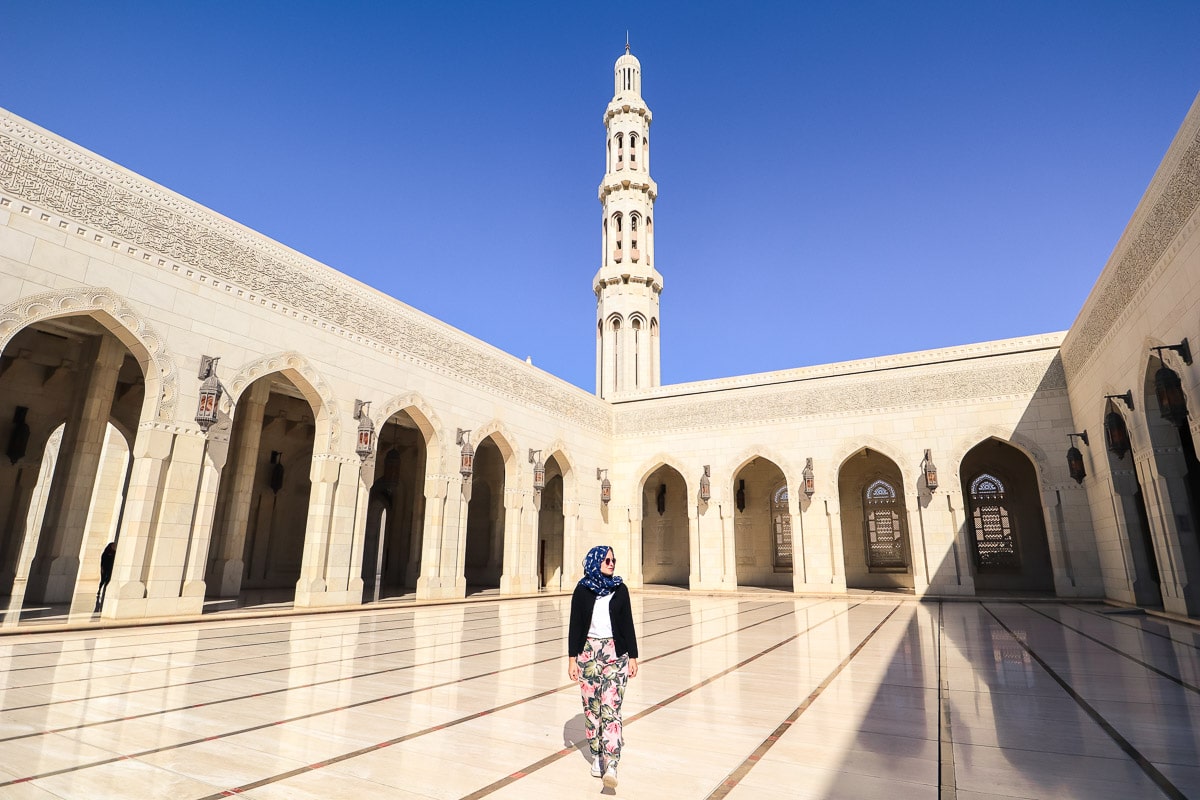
(995, 545)
(782, 529)
(884, 528)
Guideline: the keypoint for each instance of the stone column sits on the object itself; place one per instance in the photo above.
(101, 523)
(832, 512)
(56, 565)
(248, 416)
(126, 595)
(959, 527)
(636, 576)
(519, 570)
(920, 554)
(1142, 581)
(215, 454)
(572, 559)
(1175, 541)
(311, 585)
(442, 567)
(1060, 554)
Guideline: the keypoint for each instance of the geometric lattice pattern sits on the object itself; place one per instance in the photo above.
(995, 545)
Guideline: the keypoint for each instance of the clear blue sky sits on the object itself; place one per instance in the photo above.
(837, 180)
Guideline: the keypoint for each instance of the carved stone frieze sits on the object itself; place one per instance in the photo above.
(60, 177)
(1138, 254)
(983, 380)
(81, 300)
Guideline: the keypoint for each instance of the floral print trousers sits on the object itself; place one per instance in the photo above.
(603, 675)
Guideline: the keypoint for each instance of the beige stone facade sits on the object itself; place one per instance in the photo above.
(113, 289)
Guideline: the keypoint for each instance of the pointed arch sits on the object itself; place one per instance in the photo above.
(1030, 448)
(506, 443)
(848, 448)
(653, 463)
(735, 465)
(558, 451)
(310, 383)
(132, 328)
(421, 413)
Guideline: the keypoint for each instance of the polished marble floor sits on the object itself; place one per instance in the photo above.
(773, 697)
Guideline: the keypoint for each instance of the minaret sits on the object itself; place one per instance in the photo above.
(627, 285)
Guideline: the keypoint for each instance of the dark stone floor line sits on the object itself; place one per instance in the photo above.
(476, 715)
(1168, 788)
(566, 751)
(947, 782)
(1163, 673)
(360, 704)
(738, 774)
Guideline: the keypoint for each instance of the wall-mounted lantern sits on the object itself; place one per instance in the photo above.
(660, 499)
(740, 497)
(706, 485)
(1116, 432)
(539, 477)
(930, 470)
(276, 476)
(605, 486)
(810, 479)
(18, 440)
(365, 446)
(1075, 458)
(1172, 402)
(467, 466)
(210, 393)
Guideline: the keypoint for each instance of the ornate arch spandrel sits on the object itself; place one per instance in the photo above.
(159, 371)
(310, 383)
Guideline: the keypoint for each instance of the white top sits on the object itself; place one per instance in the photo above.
(601, 627)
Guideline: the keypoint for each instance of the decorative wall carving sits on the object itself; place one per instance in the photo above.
(1140, 252)
(983, 380)
(58, 176)
(81, 300)
(325, 409)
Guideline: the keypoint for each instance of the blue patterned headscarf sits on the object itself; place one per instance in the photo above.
(593, 578)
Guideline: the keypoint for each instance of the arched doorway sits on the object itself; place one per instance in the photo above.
(666, 545)
(551, 526)
(762, 526)
(396, 510)
(1174, 469)
(1130, 506)
(1009, 548)
(262, 502)
(484, 562)
(875, 538)
(72, 374)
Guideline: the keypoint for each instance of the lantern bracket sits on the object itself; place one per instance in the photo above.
(1082, 436)
(1126, 398)
(1183, 349)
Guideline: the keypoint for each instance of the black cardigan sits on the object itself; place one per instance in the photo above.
(619, 611)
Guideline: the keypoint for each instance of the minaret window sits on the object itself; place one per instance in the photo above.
(636, 324)
(617, 252)
(633, 143)
(620, 151)
(633, 237)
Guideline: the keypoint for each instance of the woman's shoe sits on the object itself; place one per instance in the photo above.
(610, 778)
(596, 771)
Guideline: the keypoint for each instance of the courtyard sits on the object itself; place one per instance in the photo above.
(768, 695)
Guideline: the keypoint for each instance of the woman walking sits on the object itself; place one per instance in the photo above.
(602, 655)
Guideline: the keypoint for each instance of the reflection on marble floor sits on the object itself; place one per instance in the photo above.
(764, 697)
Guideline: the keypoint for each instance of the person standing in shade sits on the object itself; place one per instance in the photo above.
(602, 656)
(107, 557)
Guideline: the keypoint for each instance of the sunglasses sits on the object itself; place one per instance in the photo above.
(612, 561)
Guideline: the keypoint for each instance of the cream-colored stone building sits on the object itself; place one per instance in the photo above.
(941, 472)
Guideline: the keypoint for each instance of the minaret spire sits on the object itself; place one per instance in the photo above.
(627, 285)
